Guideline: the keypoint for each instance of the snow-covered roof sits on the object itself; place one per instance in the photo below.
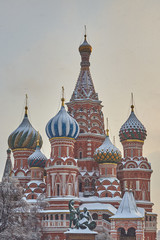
(107, 146)
(38, 182)
(128, 208)
(110, 179)
(100, 200)
(99, 206)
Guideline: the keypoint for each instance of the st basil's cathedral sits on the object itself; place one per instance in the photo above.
(84, 165)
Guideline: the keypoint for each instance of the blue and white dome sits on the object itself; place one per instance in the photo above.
(62, 125)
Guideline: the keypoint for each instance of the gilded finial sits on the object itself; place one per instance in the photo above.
(38, 139)
(85, 32)
(132, 106)
(107, 130)
(62, 99)
(26, 107)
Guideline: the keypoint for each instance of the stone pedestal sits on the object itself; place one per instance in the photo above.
(80, 234)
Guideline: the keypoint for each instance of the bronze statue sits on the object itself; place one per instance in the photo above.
(79, 219)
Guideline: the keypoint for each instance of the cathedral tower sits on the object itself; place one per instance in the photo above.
(23, 143)
(135, 170)
(62, 170)
(86, 108)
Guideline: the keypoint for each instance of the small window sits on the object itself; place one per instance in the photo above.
(58, 162)
(58, 190)
(80, 186)
(61, 216)
(67, 151)
(69, 163)
(56, 217)
(51, 217)
(80, 154)
(59, 151)
(95, 216)
(67, 217)
(21, 163)
(86, 183)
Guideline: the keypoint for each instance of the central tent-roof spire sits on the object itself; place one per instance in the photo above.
(84, 88)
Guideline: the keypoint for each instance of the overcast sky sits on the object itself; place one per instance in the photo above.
(39, 42)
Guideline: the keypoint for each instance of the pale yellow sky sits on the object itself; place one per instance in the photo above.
(39, 42)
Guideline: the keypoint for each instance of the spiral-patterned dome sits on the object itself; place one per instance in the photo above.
(132, 128)
(107, 152)
(62, 125)
(25, 136)
(37, 159)
(85, 47)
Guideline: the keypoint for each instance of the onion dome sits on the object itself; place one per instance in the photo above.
(107, 152)
(37, 159)
(62, 125)
(25, 136)
(85, 47)
(132, 128)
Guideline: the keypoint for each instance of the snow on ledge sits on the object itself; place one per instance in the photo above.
(80, 231)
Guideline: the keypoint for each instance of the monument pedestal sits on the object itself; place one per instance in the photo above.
(80, 234)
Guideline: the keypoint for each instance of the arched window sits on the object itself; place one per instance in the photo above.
(67, 151)
(86, 183)
(59, 151)
(95, 216)
(56, 217)
(51, 217)
(80, 186)
(69, 189)
(93, 184)
(131, 232)
(80, 155)
(61, 216)
(106, 217)
(69, 163)
(58, 189)
(81, 130)
(58, 163)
